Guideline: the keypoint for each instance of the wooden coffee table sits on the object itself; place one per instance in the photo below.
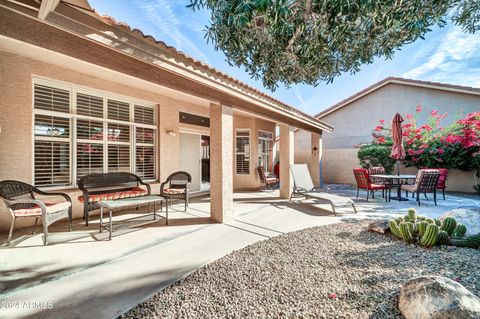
(125, 203)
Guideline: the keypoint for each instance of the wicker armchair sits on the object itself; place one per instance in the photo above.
(426, 182)
(176, 187)
(268, 181)
(20, 200)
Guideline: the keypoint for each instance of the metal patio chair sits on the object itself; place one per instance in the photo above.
(268, 181)
(426, 182)
(21, 202)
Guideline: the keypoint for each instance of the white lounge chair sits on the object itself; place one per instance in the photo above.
(303, 185)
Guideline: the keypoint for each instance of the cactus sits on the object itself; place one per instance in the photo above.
(442, 237)
(430, 220)
(448, 225)
(399, 220)
(430, 237)
(422, 227)
(406, 230)
(471, 241)
(459, 231)
(437, 222)
(406, 218)
(394, 229)
(421, 218)
(412, 215)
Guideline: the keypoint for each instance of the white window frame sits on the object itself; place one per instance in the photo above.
(249, 153)
(73, 116)
(270, 153)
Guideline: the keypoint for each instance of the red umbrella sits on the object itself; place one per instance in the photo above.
(398, 152)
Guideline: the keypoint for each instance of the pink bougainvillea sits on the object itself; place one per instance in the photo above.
(436, 144)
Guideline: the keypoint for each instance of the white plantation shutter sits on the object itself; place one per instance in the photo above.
(117, 110)
(90, 146)
(52, 99)
(145, 162)
(144, 115)
(118, 158)
(118, 132)
(89, 105)
(51, 151)
(242, 152)
(145, 152)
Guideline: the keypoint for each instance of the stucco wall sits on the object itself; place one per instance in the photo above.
(335, 171)
(354, 124)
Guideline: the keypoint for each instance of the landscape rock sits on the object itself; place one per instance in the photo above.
(469, 216)
(380, 227)
(435, 297)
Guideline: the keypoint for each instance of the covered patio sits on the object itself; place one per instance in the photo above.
(83, 274)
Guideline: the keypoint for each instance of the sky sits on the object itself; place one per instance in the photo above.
(446, 55)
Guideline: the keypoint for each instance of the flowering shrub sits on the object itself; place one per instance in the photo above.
(431, 144)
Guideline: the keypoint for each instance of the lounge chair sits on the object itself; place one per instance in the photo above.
(303, 185)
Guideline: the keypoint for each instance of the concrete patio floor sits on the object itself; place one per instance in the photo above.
(83, 275)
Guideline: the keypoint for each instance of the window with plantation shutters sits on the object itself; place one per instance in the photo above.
(117, 110)
(51, 99)
(242, 151)
(145, 152)
(77, 133)
(90, 145)
(89, 105)
(51, 150)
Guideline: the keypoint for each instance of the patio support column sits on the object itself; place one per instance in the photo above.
(286, 158)
(316, 143)
(221, 163)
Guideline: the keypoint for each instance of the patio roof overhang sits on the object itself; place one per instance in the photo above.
(84, 35)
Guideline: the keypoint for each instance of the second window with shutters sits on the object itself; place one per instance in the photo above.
(242, 151)
(79, 132)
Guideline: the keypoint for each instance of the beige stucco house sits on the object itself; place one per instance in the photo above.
(355, 117)
(82, 93)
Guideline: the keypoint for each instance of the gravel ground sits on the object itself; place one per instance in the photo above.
(334, 271)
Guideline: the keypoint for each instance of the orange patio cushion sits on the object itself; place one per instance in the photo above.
(37, 211)
(174, 191)
(134, 192)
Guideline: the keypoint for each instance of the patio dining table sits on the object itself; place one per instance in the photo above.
(396, 181)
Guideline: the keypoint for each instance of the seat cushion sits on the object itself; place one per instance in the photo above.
(174, 191)
(409, 188)
(377, 186)
(37, 211)
(133, 192)
(272, 180)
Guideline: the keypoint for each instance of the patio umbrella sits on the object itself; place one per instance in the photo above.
(398, 152)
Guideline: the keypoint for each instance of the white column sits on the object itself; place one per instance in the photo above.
(316, 144)
(221, 163)
(286, 159)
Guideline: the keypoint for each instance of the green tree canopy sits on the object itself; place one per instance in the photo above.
(308, 41)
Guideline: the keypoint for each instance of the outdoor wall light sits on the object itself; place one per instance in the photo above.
(171, 133)
(315, 150)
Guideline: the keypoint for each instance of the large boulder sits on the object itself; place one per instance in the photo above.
(469, 216)
(434, 297)
(380, 226)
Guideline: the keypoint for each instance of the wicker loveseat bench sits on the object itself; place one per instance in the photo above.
(109, 186)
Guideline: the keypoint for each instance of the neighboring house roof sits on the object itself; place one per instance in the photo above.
(172, 56)
(401, 81)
